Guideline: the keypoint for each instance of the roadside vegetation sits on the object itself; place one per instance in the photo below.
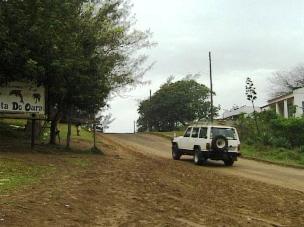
(278, 139)
(273, 154)
(80, 51)
(12, 129)
(17, 173)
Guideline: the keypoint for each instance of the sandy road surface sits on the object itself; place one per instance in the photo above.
(178, 193)
(271, 174)
(129, 187)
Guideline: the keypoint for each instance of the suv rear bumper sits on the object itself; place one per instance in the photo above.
(215, 155)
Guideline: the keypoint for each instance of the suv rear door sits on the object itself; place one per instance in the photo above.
(193, 140)
(203, 137)
(229, 133)
(184, 142)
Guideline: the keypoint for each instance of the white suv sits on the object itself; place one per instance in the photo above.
(208, 142)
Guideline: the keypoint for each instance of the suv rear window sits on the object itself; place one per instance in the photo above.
(229, 133)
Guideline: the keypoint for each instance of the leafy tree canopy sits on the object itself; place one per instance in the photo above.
(173, 105)
(81, 51)
(284, 82)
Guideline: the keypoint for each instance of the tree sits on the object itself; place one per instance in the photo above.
(173, 105)
(79, 51)
(252, 96)
(103, 121)
(284, 82)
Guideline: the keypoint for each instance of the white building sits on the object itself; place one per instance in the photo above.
(283, 105)
(237, 111)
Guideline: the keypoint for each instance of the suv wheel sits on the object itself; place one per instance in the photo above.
(199, 159)
(176, 154)
(229, 162)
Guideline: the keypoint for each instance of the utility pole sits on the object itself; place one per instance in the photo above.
(211, 89)
(134, 127)
(149, 120)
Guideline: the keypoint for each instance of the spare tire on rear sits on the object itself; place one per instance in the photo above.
(219, 143)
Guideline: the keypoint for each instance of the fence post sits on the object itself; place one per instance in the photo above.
(33, 131)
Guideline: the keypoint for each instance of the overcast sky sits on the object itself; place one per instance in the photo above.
(246, 37)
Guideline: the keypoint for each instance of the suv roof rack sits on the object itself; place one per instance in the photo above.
(215, 122)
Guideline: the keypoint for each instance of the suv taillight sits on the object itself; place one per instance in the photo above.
(208, 146)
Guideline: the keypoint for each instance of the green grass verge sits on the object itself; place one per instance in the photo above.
(12, 128)
(79, 161)
(168, 135)
(14, 174)
(84, 134)
(273, 154)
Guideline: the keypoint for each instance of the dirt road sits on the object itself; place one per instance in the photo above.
(271, 174)
(136, 184)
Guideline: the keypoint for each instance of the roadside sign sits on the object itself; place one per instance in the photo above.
(22, 98)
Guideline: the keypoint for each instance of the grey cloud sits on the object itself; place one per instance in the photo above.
(247, 38)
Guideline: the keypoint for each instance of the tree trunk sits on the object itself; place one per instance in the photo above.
(53, 130)
(94, 132)
(68, 142)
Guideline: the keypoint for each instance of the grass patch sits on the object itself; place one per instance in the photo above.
(272, 154)
(15, 174)
(168, 135)
(13, 128)
(84, 134)
(8, 129)
(17, 122)
(81, 162)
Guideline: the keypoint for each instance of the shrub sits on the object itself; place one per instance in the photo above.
(292, 129)
(274, 130)
(265, 138)
(301, 149)
(281, 142)
(250, 141)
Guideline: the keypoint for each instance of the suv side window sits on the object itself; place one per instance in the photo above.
(195, 132)
(188, 132)
(203, 133)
